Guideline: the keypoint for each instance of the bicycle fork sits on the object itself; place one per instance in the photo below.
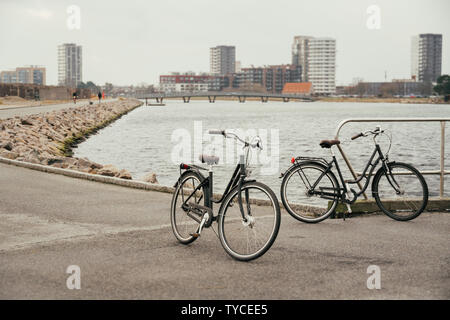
(247, 219)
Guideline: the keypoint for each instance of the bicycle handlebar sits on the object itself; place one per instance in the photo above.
(377, 131)
(257, 143)
(216, 131)
(357, 136)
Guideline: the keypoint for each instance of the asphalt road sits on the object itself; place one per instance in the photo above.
(122, 242)
(7, 111)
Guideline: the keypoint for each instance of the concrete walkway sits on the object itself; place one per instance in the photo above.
(9, 111)
(122, 241)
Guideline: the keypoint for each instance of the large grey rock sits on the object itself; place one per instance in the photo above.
(8, 154)
(150, 178)
(108, 170)
(124, 174)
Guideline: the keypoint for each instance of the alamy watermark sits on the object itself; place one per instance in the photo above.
(187, 147)
(374, 280)
(373, 21)
(74, 280)
(73, 21)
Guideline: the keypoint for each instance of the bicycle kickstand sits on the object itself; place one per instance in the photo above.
(349, 209)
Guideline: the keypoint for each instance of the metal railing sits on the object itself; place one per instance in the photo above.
(442, 172)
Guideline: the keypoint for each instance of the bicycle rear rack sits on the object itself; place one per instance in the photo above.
(322, 160)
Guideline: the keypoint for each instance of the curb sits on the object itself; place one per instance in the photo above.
(91, 177)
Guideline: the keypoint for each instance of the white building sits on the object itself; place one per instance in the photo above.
(69, 65)
(317, 56)
(321, 68)
(222, 60)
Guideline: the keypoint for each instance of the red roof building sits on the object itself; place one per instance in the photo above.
(298, 88)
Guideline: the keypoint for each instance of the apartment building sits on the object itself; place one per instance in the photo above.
(317, 57)
(271, 78)
(222, 60)
(189, 82)
(426, 57)
(26, 75)
(70, 68)
(300, 53)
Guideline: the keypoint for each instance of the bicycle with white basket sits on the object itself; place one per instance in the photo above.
(249, 213)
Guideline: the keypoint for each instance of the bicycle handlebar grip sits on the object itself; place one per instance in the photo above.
(357, 136)
(216, 131)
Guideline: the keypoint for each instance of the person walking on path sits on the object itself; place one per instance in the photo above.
(75, 97)
(99, 97)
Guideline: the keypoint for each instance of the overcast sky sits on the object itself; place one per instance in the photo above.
(133, 41)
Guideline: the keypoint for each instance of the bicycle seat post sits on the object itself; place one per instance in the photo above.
(210, 196)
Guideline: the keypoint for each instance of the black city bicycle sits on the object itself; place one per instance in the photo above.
(249, 213)
(310, 191)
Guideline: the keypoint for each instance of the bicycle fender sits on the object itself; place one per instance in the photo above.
(297, 164)
(201, 176)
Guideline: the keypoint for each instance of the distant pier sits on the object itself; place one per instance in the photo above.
(212, 95)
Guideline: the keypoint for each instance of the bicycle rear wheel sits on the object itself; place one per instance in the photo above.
(403, 195)
(184, 225)
(302, 200)
(248, 240)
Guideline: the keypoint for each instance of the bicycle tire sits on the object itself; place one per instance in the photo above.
(228, 221)
(311, 209)
(184, 238)
(388, 206)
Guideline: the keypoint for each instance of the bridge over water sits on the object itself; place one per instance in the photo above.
(212, 95)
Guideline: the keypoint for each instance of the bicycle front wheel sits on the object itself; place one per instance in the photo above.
(250, 238)
(401, 193)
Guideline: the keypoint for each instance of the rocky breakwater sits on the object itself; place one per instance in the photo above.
(48, 138)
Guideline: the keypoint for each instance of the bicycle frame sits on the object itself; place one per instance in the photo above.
(367, 173)
(237, 179)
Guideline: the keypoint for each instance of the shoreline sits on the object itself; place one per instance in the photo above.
(384, 100)
(48, 138)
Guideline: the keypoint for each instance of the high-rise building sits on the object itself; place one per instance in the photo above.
(30, 74)
(222, 60)
(300, 53)
(321, 65)
(426, 57)
(69, 65)
(317, 57)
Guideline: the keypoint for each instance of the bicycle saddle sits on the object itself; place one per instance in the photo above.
(328, 143)
(209, 160)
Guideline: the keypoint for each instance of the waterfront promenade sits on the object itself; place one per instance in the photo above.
(122, 241)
